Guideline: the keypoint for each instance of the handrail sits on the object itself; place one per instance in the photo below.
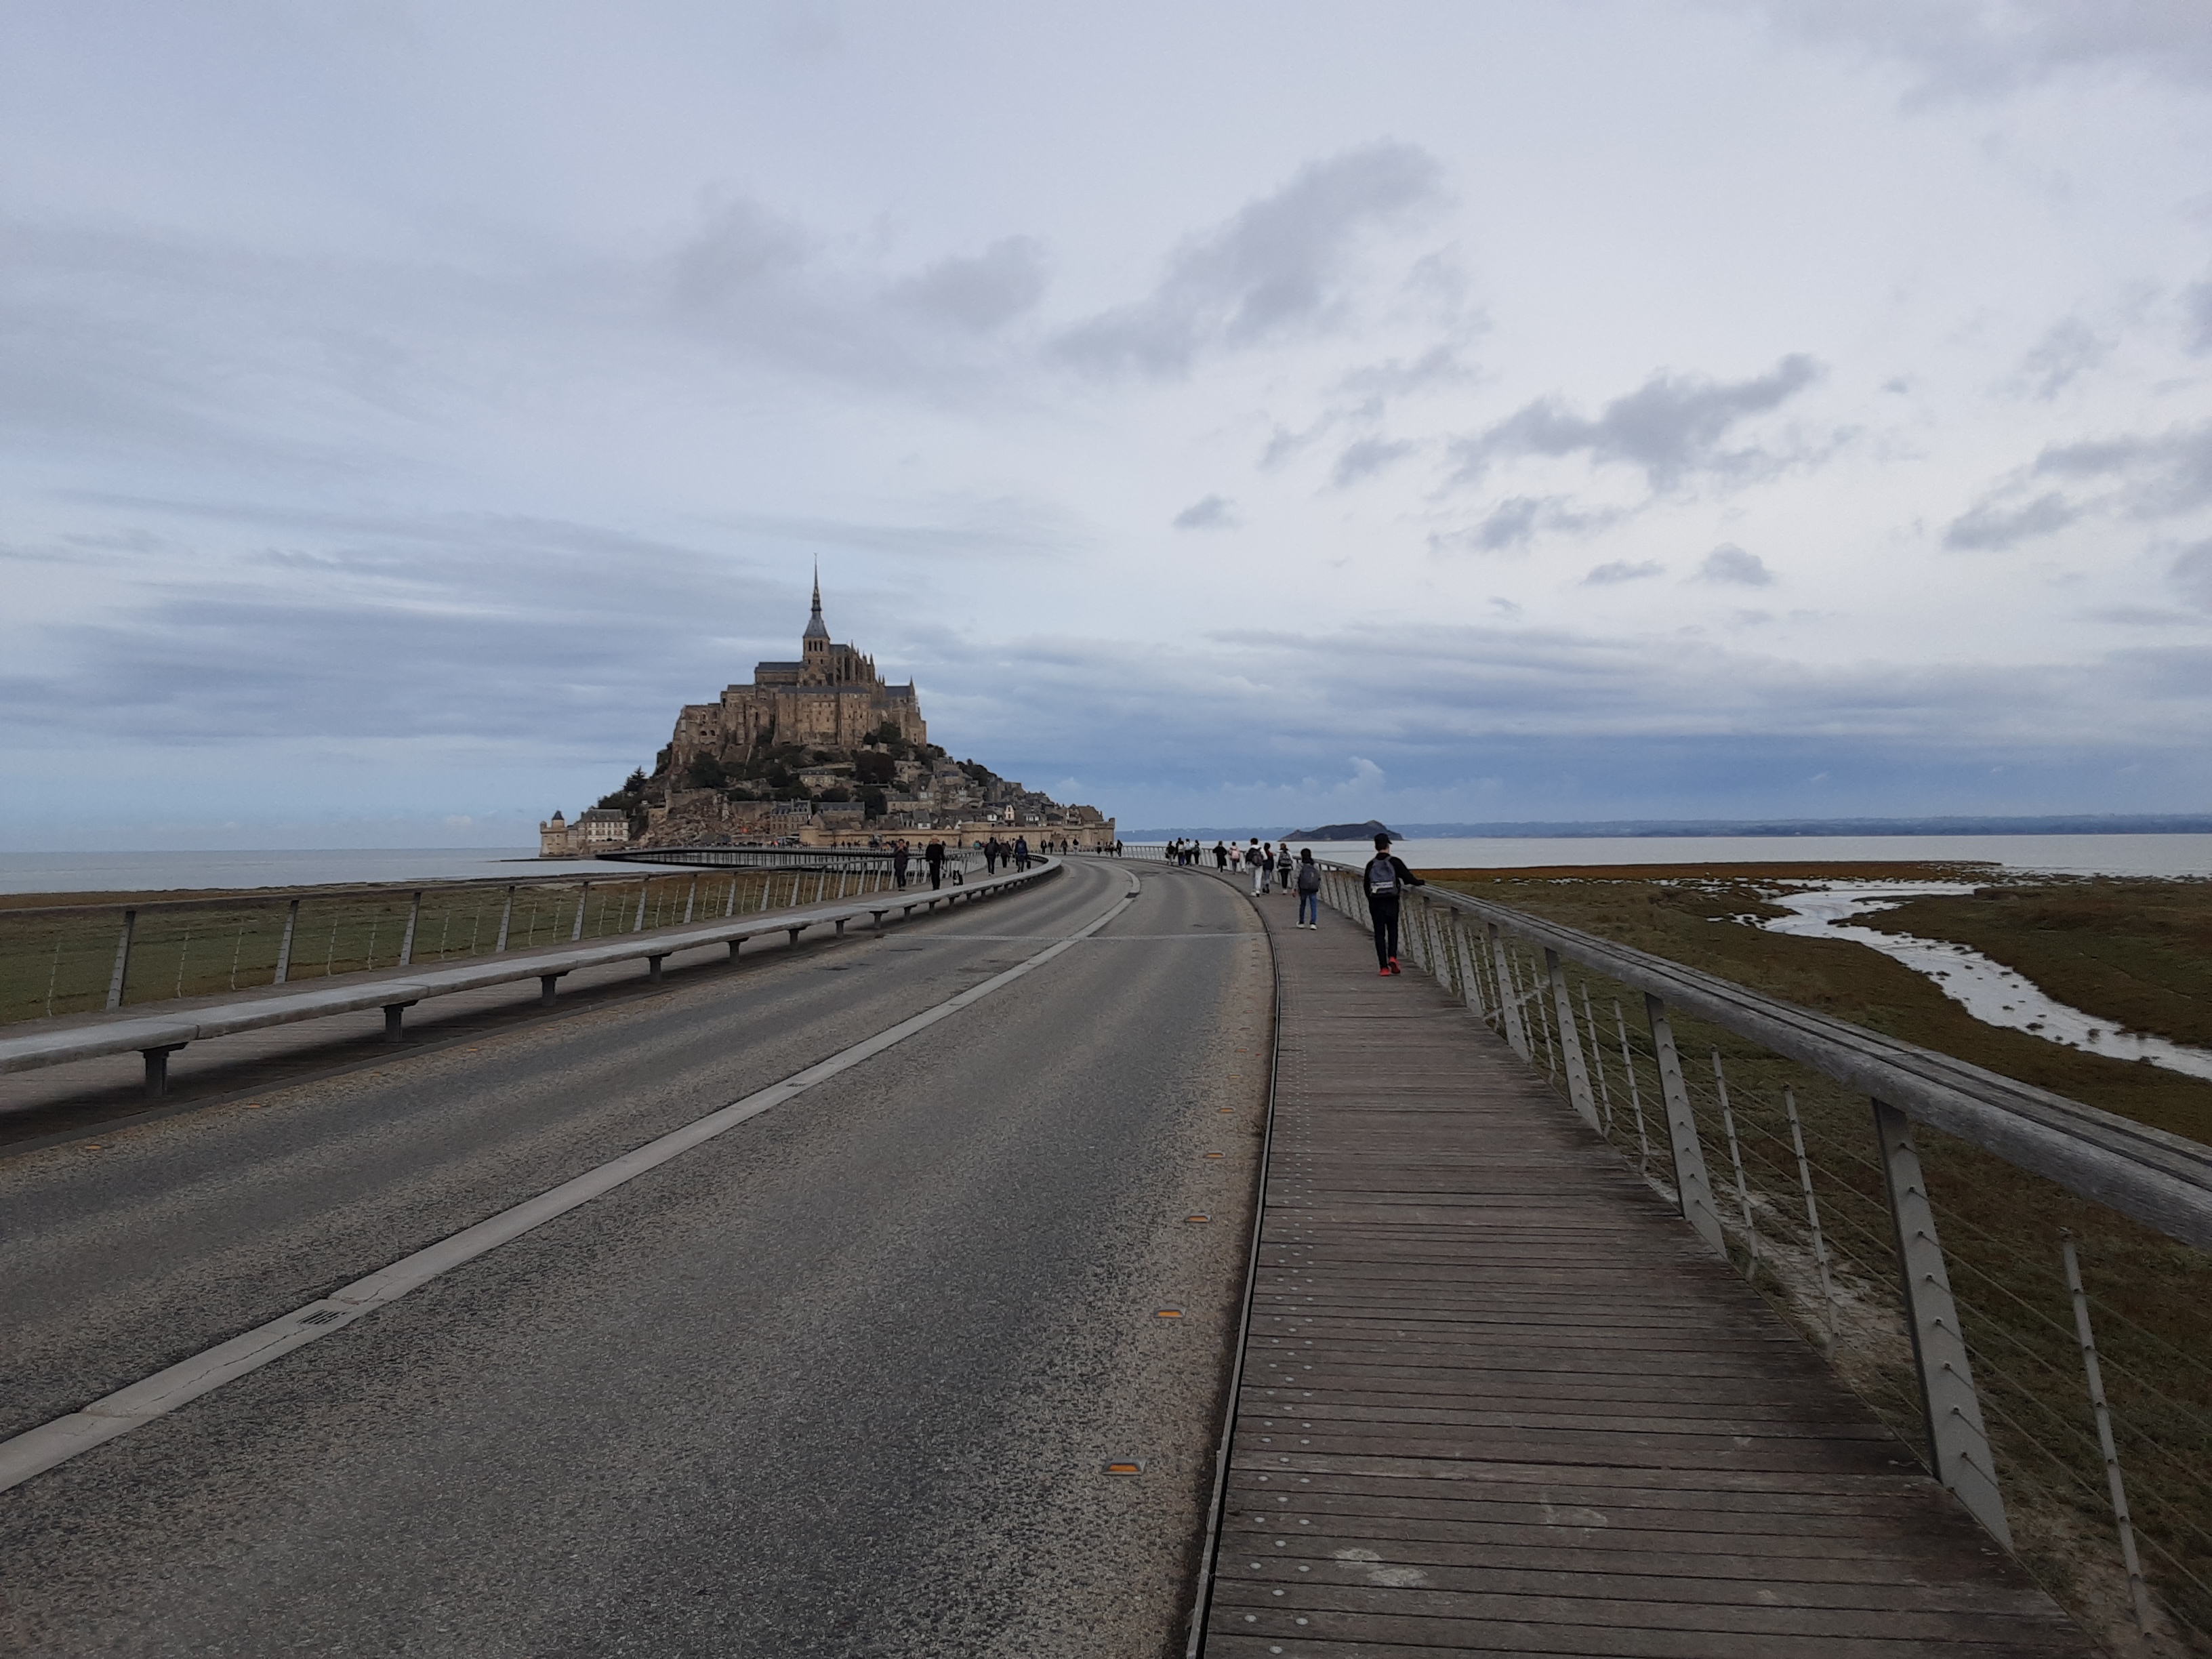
(156, 1036)
(2158, 1178)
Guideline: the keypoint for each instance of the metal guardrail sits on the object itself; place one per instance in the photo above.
(832, 858)
(73, 959)
(156, 1037)
(1806, 1224)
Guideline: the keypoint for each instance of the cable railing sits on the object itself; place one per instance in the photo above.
(2044, 1348)
(93, 958)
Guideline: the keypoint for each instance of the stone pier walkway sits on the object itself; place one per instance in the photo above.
(1499, 1399)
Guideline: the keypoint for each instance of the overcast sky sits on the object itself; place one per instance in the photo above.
(1227, 414)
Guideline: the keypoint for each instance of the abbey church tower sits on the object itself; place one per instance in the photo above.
(830, 698)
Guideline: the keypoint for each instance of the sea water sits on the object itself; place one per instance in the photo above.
(228, 872)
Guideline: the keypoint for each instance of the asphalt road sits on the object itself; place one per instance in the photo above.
(843, 1381)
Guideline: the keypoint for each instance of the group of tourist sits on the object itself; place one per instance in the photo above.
(1014, 857)
(1384, 880)
(931, 855)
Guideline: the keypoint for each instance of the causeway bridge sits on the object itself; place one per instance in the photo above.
(1081, 1261)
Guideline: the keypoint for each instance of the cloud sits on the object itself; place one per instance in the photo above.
(2159, 474)
(1621, 570)
(1962, 46)
(1729, 564)
(1212, 512)
(2197, 305)
(1672, 426)
(2192, 574)
(1989, 525)
(982, 292)
(2069, 349)
(1366, 457)
(1276, 268)
(1517, 520)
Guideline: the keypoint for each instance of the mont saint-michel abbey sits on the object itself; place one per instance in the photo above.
(831, 697)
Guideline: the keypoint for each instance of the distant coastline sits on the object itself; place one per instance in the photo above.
(2079, 823)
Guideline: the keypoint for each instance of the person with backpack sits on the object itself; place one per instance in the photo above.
(899, 857)
(1386, 879)
(934, 856)
(1309, 888)
(1257, 861)
(1283, 865)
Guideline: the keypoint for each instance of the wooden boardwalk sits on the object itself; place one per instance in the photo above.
(1499, 1399)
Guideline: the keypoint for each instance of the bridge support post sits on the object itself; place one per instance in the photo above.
(734, 944)
(1693, 1187)
(546, 983)
(1958, 1442)
(652, 968)
(1563, 1011)
(394, 1014)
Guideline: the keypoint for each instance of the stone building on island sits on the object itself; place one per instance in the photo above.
(821, 751)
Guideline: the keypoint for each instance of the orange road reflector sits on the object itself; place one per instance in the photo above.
(1198, 1217)
(1137, 1468)
(1169, 1313)
(1214, 1154)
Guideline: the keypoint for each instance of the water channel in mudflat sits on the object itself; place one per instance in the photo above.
(1989, 991)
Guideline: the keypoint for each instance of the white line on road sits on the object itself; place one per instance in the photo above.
(36, 1450)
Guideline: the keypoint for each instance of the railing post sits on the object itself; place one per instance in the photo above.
(583, 902)
(690, 898)
(1509, 997)
(1812, 1215)
(122, 959)
(284, 945)
(644, 888)
(1563, 1011)
(1692, 1188)
(1736, 1158)
(407, 945)
(1634, 1090)
(505, 919)
(2094, 1374)
(1959, 1444)
(1597, 1061)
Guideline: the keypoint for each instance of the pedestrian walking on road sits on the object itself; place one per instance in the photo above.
(1021, 852)
(900, 859)
(1387, 879)
(1258, 864)
(1309, 888)
(934, 856)
(1283, 865)
(1220, 856)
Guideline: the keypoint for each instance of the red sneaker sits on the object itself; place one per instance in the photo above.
(1394, 968)
(1383, 973)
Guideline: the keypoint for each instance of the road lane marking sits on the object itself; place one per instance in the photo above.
(36, 1450)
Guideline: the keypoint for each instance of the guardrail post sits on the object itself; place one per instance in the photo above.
(1692, 1188)
(583, 904)
(122, 963)
(157, 1069)
(1509, 997)
(644, 889)
(1634, 1090)
(506, 918)
(407, 945)
(1570, 1044)
(690, 898)
(1958, 1443)
(284, 947)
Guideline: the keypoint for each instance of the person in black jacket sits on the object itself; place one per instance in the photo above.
(1386, 879)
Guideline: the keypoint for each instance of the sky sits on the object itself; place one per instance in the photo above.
(1237, 414)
